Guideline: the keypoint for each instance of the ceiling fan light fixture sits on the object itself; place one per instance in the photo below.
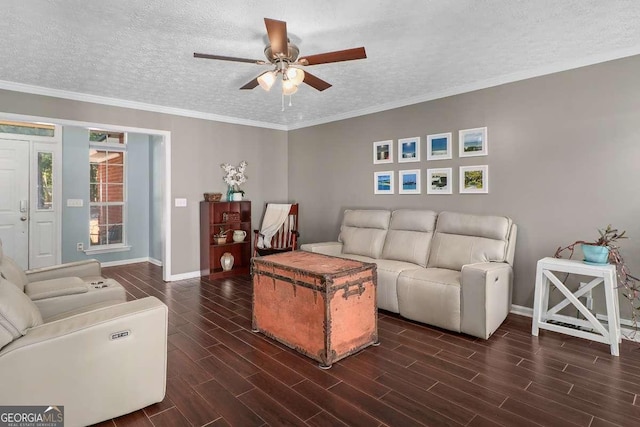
(266, 80)
(295, 75)
(289, 87)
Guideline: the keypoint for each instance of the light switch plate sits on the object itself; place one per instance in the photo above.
(75, 203)
(181, 203)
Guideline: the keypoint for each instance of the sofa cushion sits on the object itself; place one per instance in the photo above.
(12, 271)
(432, 296)
(388, 272)
(409, 236)
(363, 232)
(17, 313)
(462, 239)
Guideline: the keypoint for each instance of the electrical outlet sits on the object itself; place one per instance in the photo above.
(80, 246)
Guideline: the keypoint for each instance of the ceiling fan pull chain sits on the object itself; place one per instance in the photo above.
(290, 100)
(283, 102)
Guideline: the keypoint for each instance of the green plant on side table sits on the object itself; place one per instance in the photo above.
(605, 250)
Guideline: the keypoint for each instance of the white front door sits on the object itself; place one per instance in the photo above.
(14, 200)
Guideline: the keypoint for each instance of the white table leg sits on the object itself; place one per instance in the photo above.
(611, 295)
(537, 301)
(616, 300)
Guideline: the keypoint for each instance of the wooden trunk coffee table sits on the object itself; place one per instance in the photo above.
(322, 306)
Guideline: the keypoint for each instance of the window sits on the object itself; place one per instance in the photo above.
(20, 128)
(106, 137)
(107, 195)
(45, 181)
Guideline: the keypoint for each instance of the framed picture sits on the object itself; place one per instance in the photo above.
(383, 182)
(474, 179)
(439, 181)
(409, 150)
(409, 181)
(473, 142)
(382, 152)
(439, 146)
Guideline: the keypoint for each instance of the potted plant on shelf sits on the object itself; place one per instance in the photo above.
(605, 250)
(221, 237)
(234, 178)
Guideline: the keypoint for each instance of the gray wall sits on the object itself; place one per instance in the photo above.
(156, 191)
(75, 185)
(198, 147)
(563, 161)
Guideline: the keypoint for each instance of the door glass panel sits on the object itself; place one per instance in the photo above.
(45, 181)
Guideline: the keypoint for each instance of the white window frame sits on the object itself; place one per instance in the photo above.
(113, 147)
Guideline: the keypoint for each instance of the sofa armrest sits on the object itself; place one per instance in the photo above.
(115, 356)
(326, 248)
(485, 297)
(55, 288)
(90, 267)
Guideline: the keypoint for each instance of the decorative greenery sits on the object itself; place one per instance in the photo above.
(609, 238)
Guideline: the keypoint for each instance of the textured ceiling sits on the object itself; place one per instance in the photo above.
(142, 50)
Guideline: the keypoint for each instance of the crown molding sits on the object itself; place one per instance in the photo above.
(483, 84)
(479, 85)
(115, 102)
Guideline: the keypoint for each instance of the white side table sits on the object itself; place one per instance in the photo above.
(605, 274)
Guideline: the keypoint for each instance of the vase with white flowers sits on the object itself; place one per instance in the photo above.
(234, 178)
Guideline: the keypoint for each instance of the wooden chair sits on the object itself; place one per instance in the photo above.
(285, 239)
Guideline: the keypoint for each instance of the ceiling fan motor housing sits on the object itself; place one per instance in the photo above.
(292, 54)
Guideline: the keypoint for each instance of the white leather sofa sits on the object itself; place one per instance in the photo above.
(99, 362)
(450, 270)
(62, 288)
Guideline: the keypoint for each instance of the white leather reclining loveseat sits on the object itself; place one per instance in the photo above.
(449, 270)
(63, 288)
(99, 360)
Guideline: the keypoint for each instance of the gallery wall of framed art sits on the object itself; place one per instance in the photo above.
(472, 179)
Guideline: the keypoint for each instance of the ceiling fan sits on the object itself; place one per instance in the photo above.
(284, 56)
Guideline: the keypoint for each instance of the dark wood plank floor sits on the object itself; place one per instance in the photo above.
(221, 374)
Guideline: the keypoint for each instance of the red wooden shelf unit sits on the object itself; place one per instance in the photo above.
(232, 216)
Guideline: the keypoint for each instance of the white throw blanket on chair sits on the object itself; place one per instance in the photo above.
(275, 215)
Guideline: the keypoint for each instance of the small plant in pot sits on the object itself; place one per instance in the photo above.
(605, 250)
(221, 237)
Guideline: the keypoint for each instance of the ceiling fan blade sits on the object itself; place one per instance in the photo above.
(277, 31)
(228, 58)
(315, 82)
(250, 85)
(337, 56)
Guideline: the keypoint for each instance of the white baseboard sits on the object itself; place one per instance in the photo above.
(172, 278)
(522, 310)
(627, 333)
(155, 262)
(124, 262)
(184, 276)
